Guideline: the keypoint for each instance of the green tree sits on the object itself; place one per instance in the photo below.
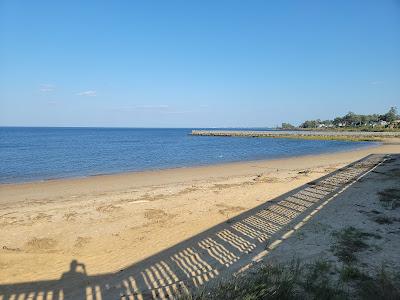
(351, 119)
(337, 121)
(310, 124)
(391, 115)
(287, 126)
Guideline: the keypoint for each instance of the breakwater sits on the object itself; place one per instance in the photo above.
(298, 133)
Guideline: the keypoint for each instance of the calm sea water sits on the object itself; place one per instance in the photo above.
(29, 154)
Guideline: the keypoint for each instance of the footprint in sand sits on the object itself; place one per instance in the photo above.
(70, 217)
(271, 180)
(40, 244)
(157, 215)
(41, 217)
(108, 208)
(4, 266)
(80, 242)
(226, 209)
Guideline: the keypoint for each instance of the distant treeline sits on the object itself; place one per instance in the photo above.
(351, 120)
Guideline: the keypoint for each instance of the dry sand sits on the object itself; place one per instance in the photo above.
(111, 221)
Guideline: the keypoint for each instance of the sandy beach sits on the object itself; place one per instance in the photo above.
(112, 221)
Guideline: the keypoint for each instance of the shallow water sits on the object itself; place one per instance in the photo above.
(29, 154)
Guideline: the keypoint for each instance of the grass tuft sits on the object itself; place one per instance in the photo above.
(390, 198)
(382, 285)
(349, 241)
(351, 273)
(383, 220)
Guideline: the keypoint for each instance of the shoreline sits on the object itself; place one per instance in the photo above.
(109, 222)
(373, 144)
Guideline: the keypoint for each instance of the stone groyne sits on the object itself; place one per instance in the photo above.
(297, 133)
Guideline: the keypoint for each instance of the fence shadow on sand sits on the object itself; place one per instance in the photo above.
(223, 250)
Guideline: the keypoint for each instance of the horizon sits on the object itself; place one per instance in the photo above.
(196, 65)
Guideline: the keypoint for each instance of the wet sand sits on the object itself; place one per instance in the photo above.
(111, 221)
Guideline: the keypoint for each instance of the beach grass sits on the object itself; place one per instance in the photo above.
(349, 241)
(320, 279)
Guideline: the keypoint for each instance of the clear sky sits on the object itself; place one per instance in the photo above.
(196, 63)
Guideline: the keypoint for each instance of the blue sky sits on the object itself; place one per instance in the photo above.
(196, 63)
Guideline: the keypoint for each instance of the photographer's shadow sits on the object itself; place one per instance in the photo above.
(74, 281)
